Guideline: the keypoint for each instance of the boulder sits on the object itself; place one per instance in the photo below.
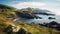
(23, 31)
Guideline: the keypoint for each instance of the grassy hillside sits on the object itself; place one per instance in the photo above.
(38, 29)
(5, 20)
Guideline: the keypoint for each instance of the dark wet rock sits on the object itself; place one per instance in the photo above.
(51, 18)
(52, 24)
(23, 31)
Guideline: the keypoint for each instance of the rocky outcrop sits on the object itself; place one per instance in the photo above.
(52, 24)
(26, 15)
(11, 29)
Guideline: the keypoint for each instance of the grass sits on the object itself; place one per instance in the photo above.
(33, 28)
(38, 29)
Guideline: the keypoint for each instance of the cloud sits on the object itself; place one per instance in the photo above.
(57, 0)
(56, 11)
(53, 7)
(28, 4)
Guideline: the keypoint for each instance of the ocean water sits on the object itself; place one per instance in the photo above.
(43, 20)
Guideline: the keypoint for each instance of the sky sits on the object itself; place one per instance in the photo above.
(51, 5)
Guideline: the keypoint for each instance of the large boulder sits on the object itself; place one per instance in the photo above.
(23, 31)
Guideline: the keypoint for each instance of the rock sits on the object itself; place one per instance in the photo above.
(15, 29)
(23, 31)
(26, 15)
(8, 30)
(51, 18)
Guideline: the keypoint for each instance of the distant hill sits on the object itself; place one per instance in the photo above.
(6, 7)
(37, 11)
